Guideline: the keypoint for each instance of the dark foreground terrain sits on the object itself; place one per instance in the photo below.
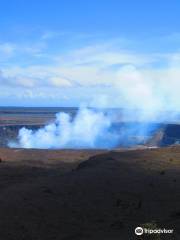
(79, 195)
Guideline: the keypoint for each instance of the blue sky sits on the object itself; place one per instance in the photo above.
(66, 52)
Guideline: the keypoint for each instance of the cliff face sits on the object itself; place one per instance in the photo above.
(10, 133)
(171, 135)
(129, 133)
(162, 135)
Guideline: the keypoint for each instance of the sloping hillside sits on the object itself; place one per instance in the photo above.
(68, 194)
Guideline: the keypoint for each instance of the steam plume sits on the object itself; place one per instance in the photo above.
(88, 129)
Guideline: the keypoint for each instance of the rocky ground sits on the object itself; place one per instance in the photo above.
(79, 195)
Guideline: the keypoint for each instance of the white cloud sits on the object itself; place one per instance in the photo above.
(136, 77)
(7, 49)
(59, 82)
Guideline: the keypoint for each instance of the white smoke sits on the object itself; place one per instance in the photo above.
(146, 96)
(88, 129)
